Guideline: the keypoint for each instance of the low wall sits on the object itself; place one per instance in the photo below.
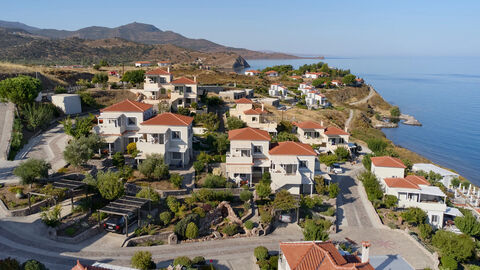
(132, 189)
(36, 207)
(145, 238)
(52, 234)
(235, 191)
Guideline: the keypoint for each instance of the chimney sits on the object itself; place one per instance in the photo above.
(262, 107)
(321, 123)
(346, 129)
(195, 78)
(168, 69)
(365, 250)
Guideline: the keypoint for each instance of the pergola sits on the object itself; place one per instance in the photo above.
(125, 206)
(69, 185)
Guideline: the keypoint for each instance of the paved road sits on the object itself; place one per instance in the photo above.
(359, 222)
(6, 123)
(365, 99)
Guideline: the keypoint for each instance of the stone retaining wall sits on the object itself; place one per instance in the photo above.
(52, 234)
(164, 236)
(36, 207)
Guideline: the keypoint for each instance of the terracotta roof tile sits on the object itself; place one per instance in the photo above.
(244, 101)
(248, 134)
(292, 148)
(387, 161)
(157, 71)
(308, 125)
(143, 62)
(127, 106)
(253, 71)
(271, 72)
(419, 180)
(335, 131)
(169, 119)
(400, 183)
(256, 111)
(183, 80)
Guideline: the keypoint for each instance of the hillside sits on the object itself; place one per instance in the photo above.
(146, 34)
(26, 48)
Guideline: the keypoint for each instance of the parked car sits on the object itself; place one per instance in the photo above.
(117, 223)
(336, 168)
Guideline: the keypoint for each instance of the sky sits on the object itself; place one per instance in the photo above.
(345, 28)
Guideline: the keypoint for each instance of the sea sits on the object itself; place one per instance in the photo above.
(443, 93)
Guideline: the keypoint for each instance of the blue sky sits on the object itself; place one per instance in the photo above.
(331, 28)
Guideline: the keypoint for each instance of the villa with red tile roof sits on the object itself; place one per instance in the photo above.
(329, 138)
(254, 117)
(252, 72)
(337, 83)
(156, 84)
(277, 90)
(118, 124)
(316, 75)
(143, 64)
(316, 255)
(271, 73)
(387, 167)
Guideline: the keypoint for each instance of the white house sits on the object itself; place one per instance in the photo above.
(157, 83)
(292, 167)
(168, 134)
(329, 138)
(315, 99)
(254, 117)
(68, 103)
(316, 75)
(336, 137)
(387, 167)
(305, 88)
(278, 90)
(271, 73)
(415, 191)
(337, 83)
(143, 64)
(119, 123)
(252, 72)
(236, 94)
(184, 92)
(163, 63)
(248, 157)
(447, 176)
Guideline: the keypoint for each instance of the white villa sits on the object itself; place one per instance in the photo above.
(387, 167)
(305, 88)
(118, 124)
(316, 133)
(316, 75)
(184, 92)
(157, 83)
(248, 157)
(143, 64)
(293, 166)
(315, 99)
(337, 83)
(163, 63)
(278, 90)
(253, 117)
(252, 72)
(271, 73)
(168, 134)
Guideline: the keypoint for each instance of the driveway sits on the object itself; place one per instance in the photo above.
(358, 221)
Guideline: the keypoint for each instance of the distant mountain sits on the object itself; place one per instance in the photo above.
(21, 46)
(147, 34)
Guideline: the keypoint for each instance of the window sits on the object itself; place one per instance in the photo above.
(189, 89)
(303, 164)
(132, 121)
(245, 153)
(434, 219)
(254, 119)
(257, 149)
(176, 135)
(290, 168)
(176, 155)
(158, 138)
(162, 80)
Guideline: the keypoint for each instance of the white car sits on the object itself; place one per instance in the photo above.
(337, 169)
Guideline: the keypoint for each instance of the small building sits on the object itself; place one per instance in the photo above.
(236, 94)
(278, 90)
(387, 167)
(330, 138)
(254, 117)
(447, 176)
(337, 83)
(68, 103)
(316, 75)
(143, 64)
(163, 63)
(295, 77)
(314, 99)
(157, 83)
(271, 73)
(275, 102)
(252, 72)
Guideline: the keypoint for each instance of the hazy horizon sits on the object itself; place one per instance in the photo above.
(349, 28)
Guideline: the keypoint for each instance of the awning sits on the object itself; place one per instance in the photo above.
(431, 190)
(452, 211)
(111, 139)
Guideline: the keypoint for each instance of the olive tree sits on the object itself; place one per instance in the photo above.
(20, 90)
(31, 170)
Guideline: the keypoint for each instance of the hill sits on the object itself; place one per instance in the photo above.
(146, 34)
(26, 48)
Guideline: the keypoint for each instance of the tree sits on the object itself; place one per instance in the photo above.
(33, 265)
(318, 82)
(100, 78)
(133, 76)
(372, 186)
(20, 90)
(109, 185)
(198, 166)
(348, 79)
(79, 151)
(209, 121)
(425, 231)
(183, 261)
(390, 201)
(37, 115)
(221, 143)
(263, 190)
(9, 264)
(395, 112)
(414, 215)
(367, 162)
(320, 186)
(246, 195)
(192, 231)
(285, 136)
(285, 126)
(468, 224)
(284, 201)
(261, 253)
(31, 170)
(154, 167)
(342, 153)
(325, 68)
(450, 263)
(333, 190)
(118, 159)
(176, 179)
(234, 123)
(377, 145)
(166, 217)
(459, 247)
(173, 204)
(215, 181)
(148, 193)
(328, 160)
(82, 126)
(266, 178)
(455, 182)
(316, 230)
(181, 226)
(103, 63)
(143, 260)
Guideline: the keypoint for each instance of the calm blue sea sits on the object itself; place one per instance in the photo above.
(443, 93)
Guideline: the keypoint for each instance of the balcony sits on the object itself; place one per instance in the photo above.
(424, 205)
(150, 147)
(239, 159)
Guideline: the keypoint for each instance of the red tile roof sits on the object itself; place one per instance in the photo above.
(143, 62)
(79, 266)
(308, 125)
(248, 134)
(157, 71)
(183, 80)
(164, 62)
(387, 161)
(400, 183)
(419, 180)
(319, 255)
(169, 119)
(271, 72)
(127, 106)
(292, 148)
(253, 71)
(256, 111)
(335, 131)
(244, 101)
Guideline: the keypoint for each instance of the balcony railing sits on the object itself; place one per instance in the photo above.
(238, 158)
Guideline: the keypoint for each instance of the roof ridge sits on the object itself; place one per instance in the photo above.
(133, 103)
(177, 116)
(312, 245)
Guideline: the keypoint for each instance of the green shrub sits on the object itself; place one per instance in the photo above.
(118, 159)
(261, 253)
(51, 217)
(32, 170)
(230, 229)
(414, 215)
(371, 185)
(131, 147)
(246, 195)
(181, 226)
(183, 261)
(266, 217)
(390, 201)
(333, 190)
(192, 231)
(70, 231)
(449, 263)
(459, 247)
(199, 211)
(425, 231)
(176, 179)
(9, 264)
(33, 265)
(142, 260)
(316, 230)
(342, 153)
(199, 260)
(165, 217)
(249, 224)
(148, 193)
(215, 181)
(154, 167)
(173, 204)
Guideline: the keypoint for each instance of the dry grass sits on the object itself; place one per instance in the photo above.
(109, 97)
